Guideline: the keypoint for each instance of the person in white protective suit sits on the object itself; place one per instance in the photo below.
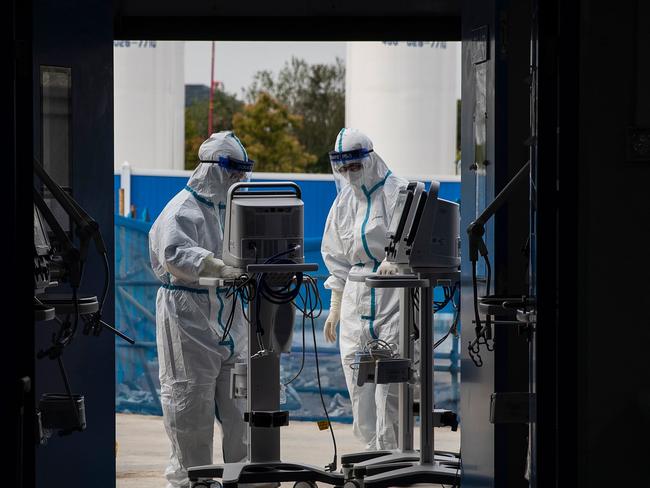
(194, 356)
(353, 242)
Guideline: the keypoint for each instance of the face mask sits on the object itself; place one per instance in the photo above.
(355, 178)
(233, 177)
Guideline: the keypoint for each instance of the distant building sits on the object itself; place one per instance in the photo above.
(404, 96)
(196, 93)
(149, 104)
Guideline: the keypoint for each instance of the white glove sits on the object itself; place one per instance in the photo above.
(387, 268)
(329, 331)
(216, 268)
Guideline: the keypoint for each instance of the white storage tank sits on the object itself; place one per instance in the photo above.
(149, 103)
(404, 96)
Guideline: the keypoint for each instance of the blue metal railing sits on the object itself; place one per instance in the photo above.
(136, 288)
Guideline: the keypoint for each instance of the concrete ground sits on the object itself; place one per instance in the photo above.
(143, 447)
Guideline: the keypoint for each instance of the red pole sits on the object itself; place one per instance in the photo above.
(211, 93)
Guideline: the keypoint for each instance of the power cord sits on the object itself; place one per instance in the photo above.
(242, 290)
(302, 360)
(311, 307)
(483, 333)
(312, 287)
(449, 293)
(453, 329)
(302, 292)
(278, 295)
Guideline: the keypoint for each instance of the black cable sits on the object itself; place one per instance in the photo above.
(473, 347)
(231, 318)
(65, 333)
(107, 279)
(452, 327)
(284, 295)
(315, 311)
(282, 253)
(451, 331)
(456, 307)
(231, 314)
(477, 318)
(416, 312)
(312, 309)
(75, 301)
(333, 465)
(489, 275)
(302, 361)
(449, 293)
(243, 292)
(316, 307)
(487, 329)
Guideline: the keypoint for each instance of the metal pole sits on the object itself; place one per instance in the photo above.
(426, 374)
(210, 106)
(125, 184)
(453, 364)
(405, 426)
(263, 384)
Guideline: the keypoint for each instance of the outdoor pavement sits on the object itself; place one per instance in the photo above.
(143, 447)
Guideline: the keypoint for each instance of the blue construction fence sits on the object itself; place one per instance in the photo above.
(137, 384)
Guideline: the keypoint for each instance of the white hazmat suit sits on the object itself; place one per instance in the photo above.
(354, 241)
(194, 358)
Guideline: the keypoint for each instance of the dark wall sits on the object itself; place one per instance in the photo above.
(614, 81)
(79, 35)
(292, 8)
(288, 20)
(495, 455)
(16, 359)
(512, 57)
(592, 209)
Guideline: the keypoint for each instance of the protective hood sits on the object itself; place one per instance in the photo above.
(213, 176)
(352, 148)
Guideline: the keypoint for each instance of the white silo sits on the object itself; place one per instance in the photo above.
(149, 101)
(404, 96)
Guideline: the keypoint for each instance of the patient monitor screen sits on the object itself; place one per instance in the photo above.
(398, 220)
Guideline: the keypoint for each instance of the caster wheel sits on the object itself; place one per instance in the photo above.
(305, 484)
(206, 484)
(353, 484)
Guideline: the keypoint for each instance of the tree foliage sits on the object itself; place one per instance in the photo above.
(268, 131)
(316, 93)
(308, 110)
(224, 107)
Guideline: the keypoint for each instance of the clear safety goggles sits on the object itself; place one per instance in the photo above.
(233, 164)
(342, 159)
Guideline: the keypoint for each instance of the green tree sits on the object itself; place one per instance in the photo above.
(315, 92)
(268, 131)
(225, 106)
